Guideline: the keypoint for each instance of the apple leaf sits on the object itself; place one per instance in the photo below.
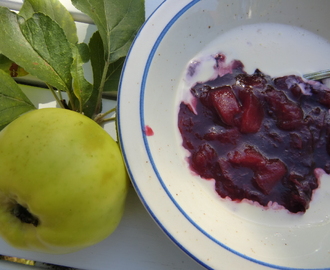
(38, 45)
(5, 63)
(81, 87)
(13, 102)
(117, 21)
(98, 63)
(56, 11)
(48, 40)
(114, 73)
(97, 58)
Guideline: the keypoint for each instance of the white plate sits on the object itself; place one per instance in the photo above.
(217, 233)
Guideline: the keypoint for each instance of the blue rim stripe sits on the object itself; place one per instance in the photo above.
(142, 125)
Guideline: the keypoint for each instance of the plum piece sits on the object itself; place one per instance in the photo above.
(323, 97)
(229, 182)
(253, 112)
(267, 172)
(224, 68)
(256, 81)
(249, 157)
(288, 114)
(287, 82)
(301, 192)
(203, 160)
(223, 135)
(270, 174)
(227, 187)
(225, 103)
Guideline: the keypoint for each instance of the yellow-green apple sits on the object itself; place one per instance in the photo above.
(63, 182)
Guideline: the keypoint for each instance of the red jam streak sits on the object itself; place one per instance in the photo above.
(259, 138)
(148, 131)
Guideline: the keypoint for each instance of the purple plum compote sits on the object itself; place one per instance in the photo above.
(259, 138)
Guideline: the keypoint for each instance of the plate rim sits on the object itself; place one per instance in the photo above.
(151, 54)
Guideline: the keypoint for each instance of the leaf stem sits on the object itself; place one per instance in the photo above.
(102, 83)
(60, 95)
(58, 99)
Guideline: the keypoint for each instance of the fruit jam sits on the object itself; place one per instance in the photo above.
(259, 138)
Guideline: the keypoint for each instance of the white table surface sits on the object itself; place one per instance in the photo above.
(138, 242)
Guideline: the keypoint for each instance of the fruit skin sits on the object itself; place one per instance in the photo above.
(68, 172)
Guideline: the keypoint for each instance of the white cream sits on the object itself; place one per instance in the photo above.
(276, 50)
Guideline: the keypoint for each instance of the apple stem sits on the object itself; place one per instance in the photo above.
(24, 215)
(100, 117)
(108, 119)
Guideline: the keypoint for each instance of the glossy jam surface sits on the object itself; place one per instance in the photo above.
(260, 138)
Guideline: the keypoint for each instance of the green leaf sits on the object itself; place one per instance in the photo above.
(98, 64)
(13, 102)
(81, 87)
(117, 21)
(84, 52)
(49, 41)
(114, 73)
(56, 11)
(97, 58)
(5, 63)
(38, 45)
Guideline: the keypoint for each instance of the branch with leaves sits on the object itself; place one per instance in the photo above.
(42, 40)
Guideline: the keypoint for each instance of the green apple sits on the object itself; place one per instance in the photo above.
(63, 182)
